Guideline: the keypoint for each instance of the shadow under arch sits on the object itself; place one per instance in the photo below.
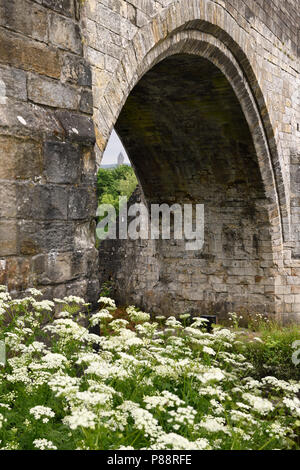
(193, 133)
(267, 129)
(242, 78)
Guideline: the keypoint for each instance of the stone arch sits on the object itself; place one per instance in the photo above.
(207, 46)
(226, 29)
(203, 44)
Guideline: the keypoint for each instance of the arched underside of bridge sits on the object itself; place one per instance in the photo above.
(189, 142)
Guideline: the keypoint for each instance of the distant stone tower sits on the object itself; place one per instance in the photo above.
(121, 159)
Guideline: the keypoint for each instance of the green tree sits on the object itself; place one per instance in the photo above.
(127, 186)
(115, 182)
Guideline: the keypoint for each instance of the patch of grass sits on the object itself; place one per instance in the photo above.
(270, 346)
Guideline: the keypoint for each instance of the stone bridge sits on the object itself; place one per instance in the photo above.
(205, 96)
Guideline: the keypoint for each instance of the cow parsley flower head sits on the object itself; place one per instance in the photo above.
(118, 324)
(81, 418)
(176, 442)
(43, 305)
(139, 317)
(54, 360)
(213, 424)
(2, 420)
(184, 316)
(34, 292)
(73, 299)
(107, 301)
(293, 404)
(98, 317)
(42, 413)
(260, 405)
(199, 322)
(209, 351)
(160, 318)
(44, 444)
(4, 296)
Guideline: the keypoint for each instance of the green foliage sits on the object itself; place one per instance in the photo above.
(115, 182)
(106, 288)
(271, 351)
(147, 384)
(267, 344)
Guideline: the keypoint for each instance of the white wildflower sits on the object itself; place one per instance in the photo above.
(260, 405)
(42, 413)
(107, 301)
(81, 418)
(44, 444)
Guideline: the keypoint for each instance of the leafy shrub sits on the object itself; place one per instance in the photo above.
(115, 182)
(272, 351)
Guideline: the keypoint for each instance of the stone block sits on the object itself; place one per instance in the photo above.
(62, 162)
(91, 262)
(76, 70)
(27, 119)
(82, 203)
(38, 264)
(77, 288)
(28, 54)
(19, 158)
(88, 175)
(65, 33)
(15, 83)
(86, 102)
(58, 268)
(64, 267)
(77, 127)
(18, 273)
(8, 202)
(43, 90)
(79, 263)
(85, 236)
(24, 17)
(43, 236)
(8, 237)
(42, 202)
(65, 7)
(95, 58)
(105, 17)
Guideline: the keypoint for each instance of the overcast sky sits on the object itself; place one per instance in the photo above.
(113, 148)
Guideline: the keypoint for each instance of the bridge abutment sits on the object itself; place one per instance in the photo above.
(47, 160)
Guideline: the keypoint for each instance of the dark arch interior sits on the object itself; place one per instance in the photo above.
(183, 128)
(188, 140)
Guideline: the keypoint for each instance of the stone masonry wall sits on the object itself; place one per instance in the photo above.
(47, 162)
(67, 68)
